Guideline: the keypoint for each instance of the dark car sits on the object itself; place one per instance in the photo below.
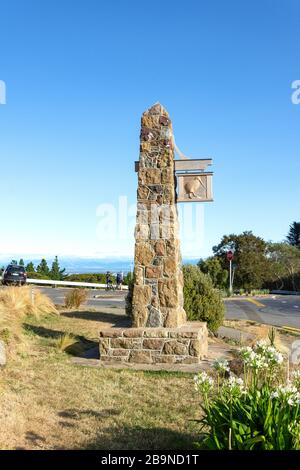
(14, 274)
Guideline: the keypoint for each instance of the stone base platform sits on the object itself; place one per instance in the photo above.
(183, 345)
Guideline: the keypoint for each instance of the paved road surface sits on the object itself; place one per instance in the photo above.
(277, 310)
(274, 310)
(116, 298)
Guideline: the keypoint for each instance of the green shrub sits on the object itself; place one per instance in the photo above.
(35, 275)
(257, 412)
(259, 292)
(128, 298)
(63, 342)
(75, 297)
(201, 300)
(127, 279)
(89, 277)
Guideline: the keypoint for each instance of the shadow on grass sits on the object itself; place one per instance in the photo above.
(82, 347)
(140, 438)
(34, 437)
(73, 413)
(127, 437)
(103, 317)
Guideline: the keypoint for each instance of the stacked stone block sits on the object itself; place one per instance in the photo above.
(186, 345)
(158, 289)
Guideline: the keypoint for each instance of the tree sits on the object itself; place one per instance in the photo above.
(127, 278)
(56, 272)
(293, 237)
(30, 267)
(14, 262)
(43, 268)
(252, 264)
(284, 266)
(214, 268)
(21, 262)
(201, 300)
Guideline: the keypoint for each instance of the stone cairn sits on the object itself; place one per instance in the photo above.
(159, 333)
(158, 289)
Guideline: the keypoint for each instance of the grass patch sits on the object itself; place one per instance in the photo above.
(16, 305)
(47, 402)
(75, 298)
(65, 341)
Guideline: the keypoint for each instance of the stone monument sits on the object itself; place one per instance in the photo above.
(160, 332)
(158, 288)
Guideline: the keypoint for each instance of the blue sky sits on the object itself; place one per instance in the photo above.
(79, 74)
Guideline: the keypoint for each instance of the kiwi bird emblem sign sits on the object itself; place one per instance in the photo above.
(194, 187)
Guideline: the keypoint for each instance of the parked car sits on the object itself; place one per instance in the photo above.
(15, 275)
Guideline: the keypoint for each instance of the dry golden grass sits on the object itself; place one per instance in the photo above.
(75, 298)
(16, 304)
(262, 332)
(56, 405)
(48, 402)
(65, 341)
(22, 301)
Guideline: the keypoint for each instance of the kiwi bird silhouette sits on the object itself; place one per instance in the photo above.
(191, 187)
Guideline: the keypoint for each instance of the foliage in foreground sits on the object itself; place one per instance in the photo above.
(260, 411)
(202, 301)
(75, 297)
(218, 274)
(65, 341)
(17, 303)
(23, 301)
(128, 299)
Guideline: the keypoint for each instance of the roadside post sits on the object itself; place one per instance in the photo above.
(230, 258)
(32, 295)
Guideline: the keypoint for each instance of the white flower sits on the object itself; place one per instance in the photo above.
(234, 381)
(257, 362)
(272, 356)
(203, 383)
(287, 393)
(262, 356)
(296, 378)
(261, 345)
(202, 377)
(234, 386)
(221, 365)
(287, 389)
(247, 354)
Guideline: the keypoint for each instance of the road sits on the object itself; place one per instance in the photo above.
(273, 310)
(103, 298)
(277, 310)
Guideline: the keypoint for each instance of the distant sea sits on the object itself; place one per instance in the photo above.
(74, 265)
